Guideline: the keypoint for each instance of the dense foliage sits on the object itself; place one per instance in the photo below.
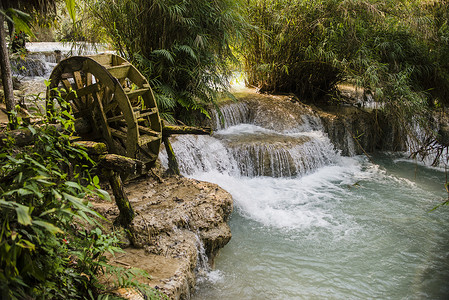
(51, 244)
(395, 51)
(183, 47)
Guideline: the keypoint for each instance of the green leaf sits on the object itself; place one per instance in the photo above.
(26, 244)
(24, 192)
(20, 20)
(73, 185)
(96, 180)
(32, 129)
(76, 202)
(70, 5)
(47, 212)
(104, 195)
(48, 226)
(23, 214)
(56, 194)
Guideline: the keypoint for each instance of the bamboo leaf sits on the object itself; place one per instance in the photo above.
(70, 5)
(20, 20)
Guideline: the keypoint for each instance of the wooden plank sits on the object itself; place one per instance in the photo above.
(119, 133)
(79, 100)
(110, 107)
(119, 72)
(90, 99)
(168, 130)
(117, 60)
(103, 59)
(66, 75)
(137, 78)
(121, 164)
(148, 131)
(136, 93)
(146, 113)
(145, 139)
(107, 99)
(68, 86)
(116, 118)
(138, 114)
(78, 79)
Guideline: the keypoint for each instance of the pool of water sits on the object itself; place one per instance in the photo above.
(350, 230)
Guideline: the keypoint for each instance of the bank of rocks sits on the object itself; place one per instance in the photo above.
(174, 220)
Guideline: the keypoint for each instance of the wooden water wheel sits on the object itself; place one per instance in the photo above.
(114, 98)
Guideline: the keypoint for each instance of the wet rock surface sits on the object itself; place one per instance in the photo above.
(174, 219)
(352, 129)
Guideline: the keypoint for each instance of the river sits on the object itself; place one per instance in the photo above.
(309, 223)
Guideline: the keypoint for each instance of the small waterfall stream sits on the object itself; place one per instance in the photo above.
(310, 223)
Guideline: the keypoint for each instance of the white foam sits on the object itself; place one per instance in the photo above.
(291, 203)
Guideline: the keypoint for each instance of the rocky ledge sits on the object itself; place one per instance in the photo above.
(176, 219)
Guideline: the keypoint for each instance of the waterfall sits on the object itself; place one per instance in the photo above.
(231, 114)
(41, 58)
(417, 137)
(261, 152)
(202, 263)
(29, 67)
(285, 141)
(252, 151)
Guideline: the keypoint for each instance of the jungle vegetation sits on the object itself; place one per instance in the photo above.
(183, 47)
(395, 51)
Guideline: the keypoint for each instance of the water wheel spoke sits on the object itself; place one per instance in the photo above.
(148, 131)
(148, 154)
(145, 139)
(121, 133)
(89, 82)
(117, 118)
(90, 89)
(103, 123)
(107, 99)
(80, 100)
(66, 75)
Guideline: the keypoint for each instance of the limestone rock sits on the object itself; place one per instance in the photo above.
(174, 220)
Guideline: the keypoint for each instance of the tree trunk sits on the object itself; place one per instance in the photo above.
(6, 70)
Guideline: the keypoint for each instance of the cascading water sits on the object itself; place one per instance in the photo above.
(36, 66)
(229, 115)
(310, 223)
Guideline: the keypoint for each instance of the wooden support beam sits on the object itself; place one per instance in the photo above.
(173, 166)
(126, 211)
(92, 148)
(168, 130)
(121, 164)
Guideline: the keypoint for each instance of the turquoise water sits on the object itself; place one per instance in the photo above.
(349, 230)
